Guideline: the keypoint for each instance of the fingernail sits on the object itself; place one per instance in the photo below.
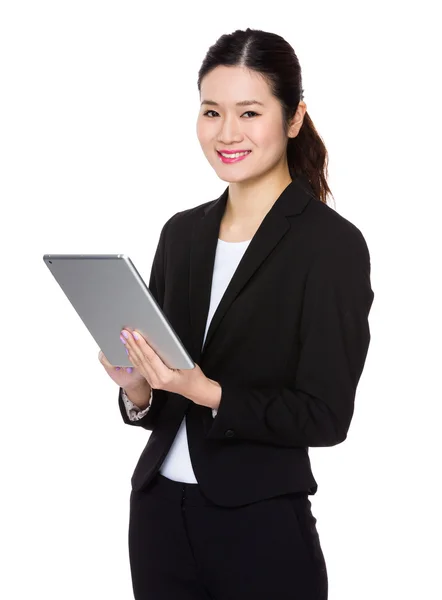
(127, 351)
(122, 339)
(136, 336)
(126, 335)
(117, 368)
(129, 369)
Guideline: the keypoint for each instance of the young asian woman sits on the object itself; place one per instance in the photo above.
(269, 289)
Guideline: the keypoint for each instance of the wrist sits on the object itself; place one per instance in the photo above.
(216, 394)
(141, 384)
(139, 394)
(209, 396)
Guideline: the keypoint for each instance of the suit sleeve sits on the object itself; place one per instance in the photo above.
(334, 336)
(156, 287)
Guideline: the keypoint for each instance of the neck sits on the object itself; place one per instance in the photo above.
(252, 199)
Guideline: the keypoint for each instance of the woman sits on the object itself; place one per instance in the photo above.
(276, 285)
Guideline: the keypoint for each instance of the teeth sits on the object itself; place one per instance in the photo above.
(235, 155)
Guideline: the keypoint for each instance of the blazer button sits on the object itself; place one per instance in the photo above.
(229, 433)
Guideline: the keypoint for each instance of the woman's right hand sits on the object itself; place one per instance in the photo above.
(122, 377)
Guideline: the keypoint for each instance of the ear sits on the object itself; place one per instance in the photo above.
(297, 120)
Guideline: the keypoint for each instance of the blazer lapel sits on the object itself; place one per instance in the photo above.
(205, 234)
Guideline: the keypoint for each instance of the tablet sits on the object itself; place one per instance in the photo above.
(109, 295)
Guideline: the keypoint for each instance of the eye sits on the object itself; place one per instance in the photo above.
(214, 111)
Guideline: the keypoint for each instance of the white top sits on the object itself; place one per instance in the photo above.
(177, 464)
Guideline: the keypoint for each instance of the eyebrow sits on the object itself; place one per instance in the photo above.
(242, 103)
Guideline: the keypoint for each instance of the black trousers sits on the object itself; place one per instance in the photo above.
(182, 546)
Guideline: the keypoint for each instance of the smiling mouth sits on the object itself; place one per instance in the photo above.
(234, 154)
(228, 159)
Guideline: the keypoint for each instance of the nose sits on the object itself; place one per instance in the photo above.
(229, 132)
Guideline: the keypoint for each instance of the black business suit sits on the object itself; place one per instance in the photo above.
(287, 343)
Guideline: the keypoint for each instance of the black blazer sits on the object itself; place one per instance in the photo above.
(287, 343)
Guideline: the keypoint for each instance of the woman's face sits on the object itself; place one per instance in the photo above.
(226, 126)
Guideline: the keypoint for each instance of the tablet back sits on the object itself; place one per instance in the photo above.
(109, 295)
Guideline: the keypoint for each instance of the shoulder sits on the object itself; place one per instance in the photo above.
(187, 216)
(332, 232)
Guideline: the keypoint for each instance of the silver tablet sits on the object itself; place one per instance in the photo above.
(109, 294)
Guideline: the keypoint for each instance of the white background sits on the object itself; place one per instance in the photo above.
(98, 109)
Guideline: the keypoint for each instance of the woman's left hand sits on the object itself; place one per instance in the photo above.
(191, 383)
